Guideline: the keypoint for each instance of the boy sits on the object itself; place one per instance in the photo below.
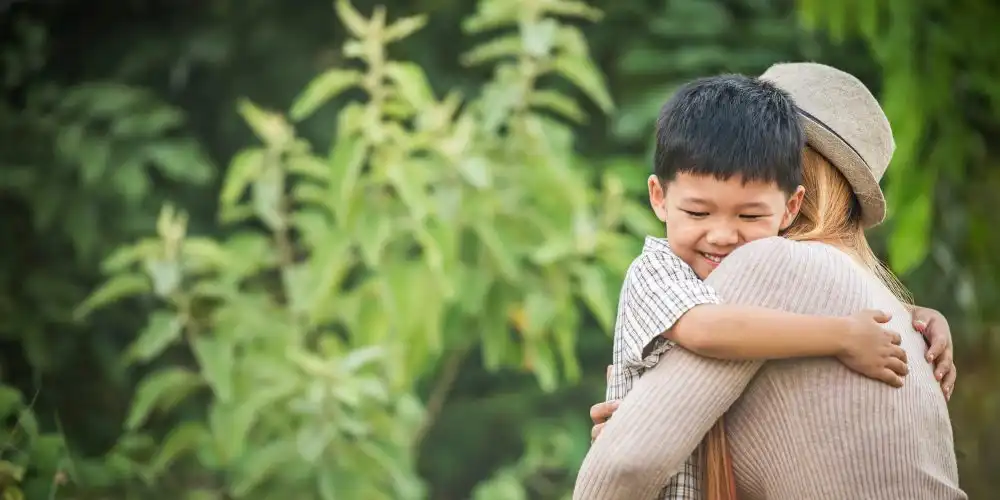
(728, 170)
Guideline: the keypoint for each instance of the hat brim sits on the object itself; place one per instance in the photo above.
(852, 166)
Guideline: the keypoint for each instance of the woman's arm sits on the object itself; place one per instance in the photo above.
(659, 424)
(662, 420)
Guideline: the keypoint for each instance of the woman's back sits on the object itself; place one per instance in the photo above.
(813, 429)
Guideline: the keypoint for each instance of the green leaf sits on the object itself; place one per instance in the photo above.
(411, 191)
(265, 461)
(161, 390)
(186, 437)
(165, 275)
(268, 197)
(490, 15)
(537, 38)
(245, 167)
(313, 440)
(182, 160)
(10, 400)
(506, 262)
(351, 18)
(476, 170)
(113, 290)
(345, 165)
(373, 234)
(164, 328)
(216, 359)
(155, 122)
(268, 126)
(411, 83)
(572, 8)
(309, 166)
(594, 291)
(404, 27)
(909, 242)
(94, 156)
(584, 74)
(508, 46)
(556, 102)
(321, 89)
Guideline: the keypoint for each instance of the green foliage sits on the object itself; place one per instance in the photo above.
(486, 403)
(433, 226)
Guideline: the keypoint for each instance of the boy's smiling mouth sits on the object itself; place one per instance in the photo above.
(713, 258)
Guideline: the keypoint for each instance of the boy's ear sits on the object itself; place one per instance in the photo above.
(657, 197)
(792, 207)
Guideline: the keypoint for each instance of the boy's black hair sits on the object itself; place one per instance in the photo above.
(730, 125)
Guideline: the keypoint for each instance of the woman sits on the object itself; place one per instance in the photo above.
(798, 429)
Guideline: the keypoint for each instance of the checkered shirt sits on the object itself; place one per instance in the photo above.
(659, 288)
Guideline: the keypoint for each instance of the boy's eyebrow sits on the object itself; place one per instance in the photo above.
(697, 201)
(755, 204)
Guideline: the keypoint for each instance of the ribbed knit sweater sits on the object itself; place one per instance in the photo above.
(798, 429)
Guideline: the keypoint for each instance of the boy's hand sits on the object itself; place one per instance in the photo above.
(934, 327)
(873, 351)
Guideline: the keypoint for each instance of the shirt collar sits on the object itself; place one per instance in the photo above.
(654, 244)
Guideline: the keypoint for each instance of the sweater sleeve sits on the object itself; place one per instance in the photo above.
(660, 423)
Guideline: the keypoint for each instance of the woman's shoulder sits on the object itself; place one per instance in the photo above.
(786, 254)
(775, 272)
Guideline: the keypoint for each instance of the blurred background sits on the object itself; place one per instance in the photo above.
(318, 250)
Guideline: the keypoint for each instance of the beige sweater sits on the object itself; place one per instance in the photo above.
(799, 429)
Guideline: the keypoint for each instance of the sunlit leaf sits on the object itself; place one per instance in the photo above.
(245, 167)
(321, 89)
(163, 329)
(184, 438)
(116, 288)
(411, 82)
(216, 359)
(404, 27)
(160, 391)
(351, 18)
(585, 75)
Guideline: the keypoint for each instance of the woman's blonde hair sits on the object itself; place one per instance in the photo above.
(831, 214)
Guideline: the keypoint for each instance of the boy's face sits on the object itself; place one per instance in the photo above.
(707, 218)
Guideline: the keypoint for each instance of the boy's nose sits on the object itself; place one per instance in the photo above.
(723, 236)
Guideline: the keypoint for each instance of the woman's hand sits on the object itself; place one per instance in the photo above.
(601, 412)
(873, 351)
(934, 327)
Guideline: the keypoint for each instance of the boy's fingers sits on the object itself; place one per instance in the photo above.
(896, 338)
(898, 366)
(898, 353)
(880, 316)
(890, 377)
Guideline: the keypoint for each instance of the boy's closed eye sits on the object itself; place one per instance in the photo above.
(696, 215)
(753, 216)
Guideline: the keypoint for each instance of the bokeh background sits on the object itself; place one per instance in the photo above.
(316, 250)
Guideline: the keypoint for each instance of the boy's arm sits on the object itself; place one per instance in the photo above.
(745, 332)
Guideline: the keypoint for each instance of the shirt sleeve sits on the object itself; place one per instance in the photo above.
(659, 289)
(662, 420)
